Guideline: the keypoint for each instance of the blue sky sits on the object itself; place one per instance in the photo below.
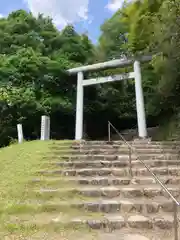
(85, 15)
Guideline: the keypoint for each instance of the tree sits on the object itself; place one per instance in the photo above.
(34, 57)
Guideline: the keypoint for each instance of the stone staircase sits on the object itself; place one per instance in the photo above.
(110, 198)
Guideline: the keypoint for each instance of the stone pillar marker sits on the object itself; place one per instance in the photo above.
(45, 128)
(20, 133)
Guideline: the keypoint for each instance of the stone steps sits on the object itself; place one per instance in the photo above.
(134, 221)
(172, 171)
(115, 163)
(109, 222)
(114, 147)
(129, 191)
(121, 142)
(108, 157)
(114, 151)
(106, 181)
(103, 191)
(123, 206)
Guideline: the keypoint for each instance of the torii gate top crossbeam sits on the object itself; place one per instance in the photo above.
(110, 64)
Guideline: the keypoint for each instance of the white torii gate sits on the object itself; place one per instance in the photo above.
(81, 83)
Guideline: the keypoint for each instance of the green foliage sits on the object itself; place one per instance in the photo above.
(34, 57)
(113, 40)
(140, 28)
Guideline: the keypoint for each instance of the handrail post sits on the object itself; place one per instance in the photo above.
(175, 221)
(130, 162)
(109, 131)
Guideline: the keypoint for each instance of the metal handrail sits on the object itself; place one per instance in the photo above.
(175, 201)
(129, 146)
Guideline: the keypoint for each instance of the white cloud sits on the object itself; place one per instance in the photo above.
(1, 16)
(114, 5)
(62, 12)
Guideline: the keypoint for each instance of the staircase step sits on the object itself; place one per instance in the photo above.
(96, 157)
(140, 147)
(106, 181)
(173, 170)
(120, 142)
(142, 151)
(116, 163)
(109, 222)
(87, 157)
(130, 191)
(116, 149)
(136, 221)
(122, 205)
(118, 222)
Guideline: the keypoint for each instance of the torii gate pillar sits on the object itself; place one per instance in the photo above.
(79, 107)
(141, 117)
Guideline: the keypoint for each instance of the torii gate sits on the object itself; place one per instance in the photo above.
(81, 83)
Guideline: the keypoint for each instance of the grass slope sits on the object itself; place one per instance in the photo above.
(18, 165)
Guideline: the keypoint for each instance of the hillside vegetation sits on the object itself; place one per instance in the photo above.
(34, 57)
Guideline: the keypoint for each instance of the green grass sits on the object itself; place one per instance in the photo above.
(19, 166)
